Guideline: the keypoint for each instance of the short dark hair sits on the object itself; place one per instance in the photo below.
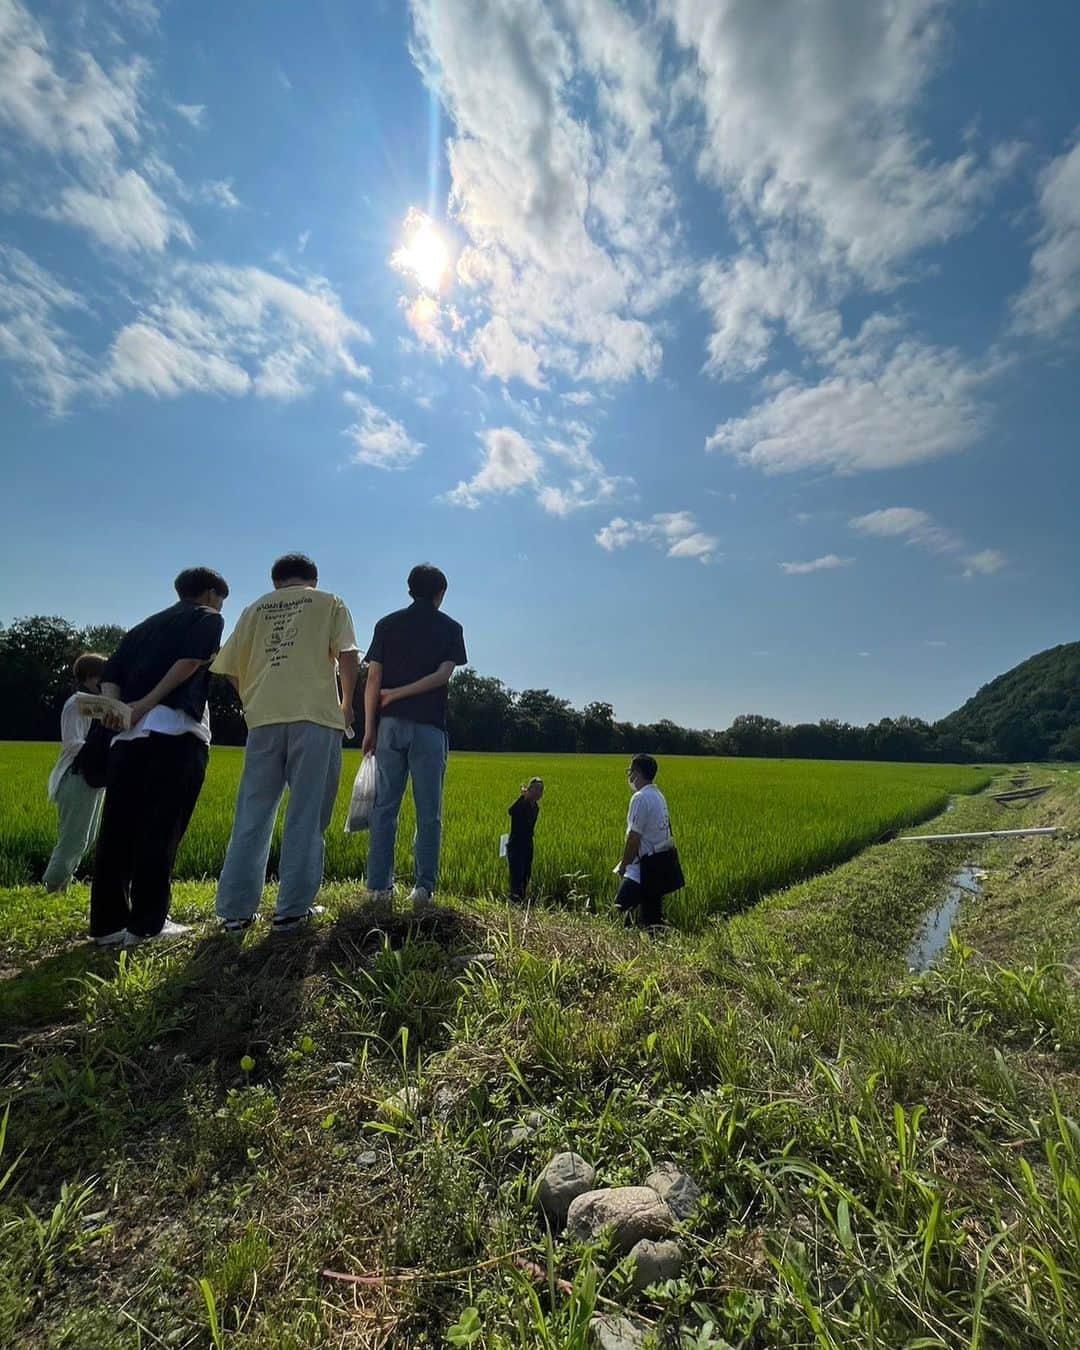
(195, 581)
(646, 766)
(86, 666)
(426, 582)
(294, 565)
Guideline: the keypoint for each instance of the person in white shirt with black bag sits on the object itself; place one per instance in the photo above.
(649, 866)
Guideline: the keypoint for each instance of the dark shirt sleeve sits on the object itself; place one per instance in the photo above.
(117, 665)
(455, 647)
(516, 811)
(202, 640)
(375, 651)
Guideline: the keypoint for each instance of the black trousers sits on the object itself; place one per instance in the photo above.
(520, 861)
(152, 788)
(638, 904)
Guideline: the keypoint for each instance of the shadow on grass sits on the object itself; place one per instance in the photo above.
(98, 1050)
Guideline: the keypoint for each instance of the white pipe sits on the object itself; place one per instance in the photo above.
(978, 834)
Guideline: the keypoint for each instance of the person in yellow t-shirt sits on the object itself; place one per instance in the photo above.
(284, 658)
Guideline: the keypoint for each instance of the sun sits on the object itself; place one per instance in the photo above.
(425, 254)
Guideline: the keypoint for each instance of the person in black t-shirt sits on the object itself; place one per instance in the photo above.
(412, 655)
(156, 768)
(519, 849)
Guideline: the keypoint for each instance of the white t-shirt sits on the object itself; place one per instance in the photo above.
(168, 722)
(73, 728)
(647, 816)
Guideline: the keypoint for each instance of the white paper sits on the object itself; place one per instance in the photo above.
(504, 845)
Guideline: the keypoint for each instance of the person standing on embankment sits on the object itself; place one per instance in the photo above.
(283, 658)
(78, 804)
(157, 766)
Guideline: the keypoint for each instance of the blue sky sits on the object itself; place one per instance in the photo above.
(723, 354)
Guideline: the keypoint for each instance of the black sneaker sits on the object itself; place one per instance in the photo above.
(237, 925)
(293, 923)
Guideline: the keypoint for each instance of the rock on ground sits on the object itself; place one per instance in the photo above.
(655, 1262)
(403, 1105)
(616, 1333)
(565, 1177)
(679, 1191)
(630, 1212)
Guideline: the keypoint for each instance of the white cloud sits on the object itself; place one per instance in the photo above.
(580, 398)
(194, 114)
(219, 192)
(126, 214)
(809, 112)
(886, 401)
(49, 365)
(910, 524)
(145, 359)
(504, 355)
(510, 463)
(1051, 299)
(676, 532)
(211, 324)
(984, 563)
(571, 227)
(920, 529)
(381, 441)
(823, 564)
(750, 296)
(86, 113)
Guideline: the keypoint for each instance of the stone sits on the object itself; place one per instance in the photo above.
(565, 1177)
(630, 1213)
(655, 1262)
(617, 1333)
(448, 1101)
(477, 960)
(519, 1135)
(367, 1159)
(403, 1105)
(678, 1190)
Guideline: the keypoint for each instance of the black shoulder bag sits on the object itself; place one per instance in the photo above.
(92, 761)
(661, 873)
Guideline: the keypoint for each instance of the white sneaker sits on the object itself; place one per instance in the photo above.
(421, 899)
(168, 930)
(111, 939)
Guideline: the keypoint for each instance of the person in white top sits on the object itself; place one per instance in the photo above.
(78, 805)
(648, 830)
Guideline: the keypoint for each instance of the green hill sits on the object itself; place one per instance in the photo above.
(1030, 712)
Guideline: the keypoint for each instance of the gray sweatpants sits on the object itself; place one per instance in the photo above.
(79, 808)
(306, 758)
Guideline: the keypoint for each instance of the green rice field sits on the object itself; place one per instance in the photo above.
(744, 827)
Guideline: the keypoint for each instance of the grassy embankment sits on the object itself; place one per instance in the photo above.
(887, 1160)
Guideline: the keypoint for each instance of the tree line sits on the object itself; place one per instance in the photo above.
(484, 714)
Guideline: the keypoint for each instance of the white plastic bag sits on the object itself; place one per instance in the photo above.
(504, 845)
(363, 797)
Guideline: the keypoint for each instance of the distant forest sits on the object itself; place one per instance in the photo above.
(1030, 713)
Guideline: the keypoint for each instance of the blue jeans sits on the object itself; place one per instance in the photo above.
(306, 758)
(407, 750)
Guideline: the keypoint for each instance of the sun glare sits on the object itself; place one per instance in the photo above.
(425, 255)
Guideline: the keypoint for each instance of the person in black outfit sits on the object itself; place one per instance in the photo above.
(519, 850)
(156, 769)
(412, 655)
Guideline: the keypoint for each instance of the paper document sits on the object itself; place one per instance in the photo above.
(100, 707)
(504, 845)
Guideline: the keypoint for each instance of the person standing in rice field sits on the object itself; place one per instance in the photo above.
(523, 814)
(77, 803)
(648, 832)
